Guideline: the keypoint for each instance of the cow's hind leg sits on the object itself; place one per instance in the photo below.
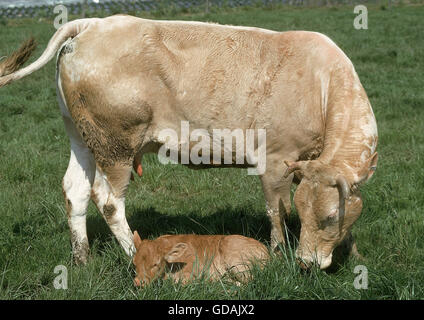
(109, 196)
(77, 184)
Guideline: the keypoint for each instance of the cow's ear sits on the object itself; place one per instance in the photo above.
(176, 253)
(137, 240)
(368, 169)
(372, 165)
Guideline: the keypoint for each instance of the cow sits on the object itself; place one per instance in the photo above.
(122, 80)
(189, 256)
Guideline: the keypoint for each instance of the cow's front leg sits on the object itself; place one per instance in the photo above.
(277, 196)
(77, 184)
(109, 196)
(347, 248)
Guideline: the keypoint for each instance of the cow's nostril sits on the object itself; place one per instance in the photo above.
(137, 282)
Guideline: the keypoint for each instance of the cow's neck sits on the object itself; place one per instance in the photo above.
(350, 138)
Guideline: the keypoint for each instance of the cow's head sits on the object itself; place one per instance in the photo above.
(153, 256)
(327, 205)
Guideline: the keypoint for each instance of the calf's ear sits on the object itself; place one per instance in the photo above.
(176, 253)
(137, 240)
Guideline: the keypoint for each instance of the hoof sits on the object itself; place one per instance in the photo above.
(80, 252)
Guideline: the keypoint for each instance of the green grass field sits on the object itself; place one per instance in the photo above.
(34, 152)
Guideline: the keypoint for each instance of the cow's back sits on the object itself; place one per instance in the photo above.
(136, 74)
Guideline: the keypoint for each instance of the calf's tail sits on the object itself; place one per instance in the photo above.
(10, 67)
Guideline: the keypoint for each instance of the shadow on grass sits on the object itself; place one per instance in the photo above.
(151, 223)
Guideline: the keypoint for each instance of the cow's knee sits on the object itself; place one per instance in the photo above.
(76, 193)
(277, 235)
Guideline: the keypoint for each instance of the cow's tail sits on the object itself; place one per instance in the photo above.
(17, 59)
(10, 67)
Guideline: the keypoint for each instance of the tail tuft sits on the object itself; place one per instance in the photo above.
(4, 81)
(16, 60)
(10, 67)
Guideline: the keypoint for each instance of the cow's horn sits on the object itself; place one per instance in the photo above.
(292, 167)
(343, 185)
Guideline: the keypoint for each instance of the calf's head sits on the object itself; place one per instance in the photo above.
(152, 256)
(327, 206)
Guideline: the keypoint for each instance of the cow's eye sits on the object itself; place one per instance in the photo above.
(331, 218)
(334, 215)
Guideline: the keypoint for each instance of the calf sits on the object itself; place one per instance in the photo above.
(184, 257)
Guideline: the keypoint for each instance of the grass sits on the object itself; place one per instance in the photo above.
(34, 151)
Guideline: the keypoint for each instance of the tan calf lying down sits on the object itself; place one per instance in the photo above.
(185, 257)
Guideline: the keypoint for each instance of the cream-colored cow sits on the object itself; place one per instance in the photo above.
(121, 80)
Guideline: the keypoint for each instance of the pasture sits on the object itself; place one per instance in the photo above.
(34, 153)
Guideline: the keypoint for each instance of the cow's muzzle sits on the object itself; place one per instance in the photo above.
(306, 262)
